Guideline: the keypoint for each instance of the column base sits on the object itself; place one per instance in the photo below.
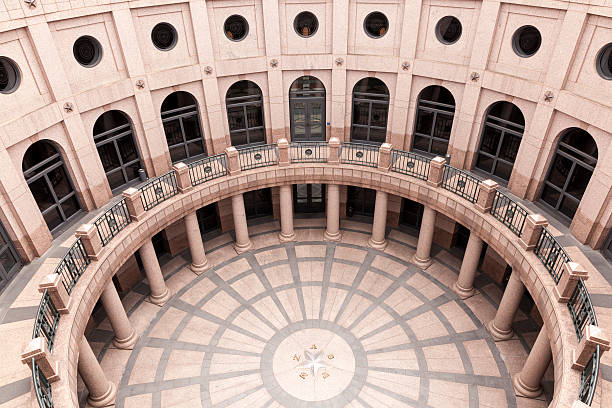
(105, 400)
(327, 236)
(462, 292)
(286, 238)
(242, 248)
(160, 300)
(523, 390)
(128, 343)
(498, 334)
(380, 245)
(200, 269)
(421, 263)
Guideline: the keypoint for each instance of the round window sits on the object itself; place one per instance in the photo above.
(604, 62)
(164, 36)
(376, 24)
(526, 41)
(236, 27)
(9, 76)
(87, 51)
(306, 24)
(448, 30)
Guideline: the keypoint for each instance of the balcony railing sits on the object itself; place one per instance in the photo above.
(46, 321)
(72, 265)
(208, 168)
(581, 309)
(252, 157)
(411, 164)
(308, 152)
(509, 212)
(359, 153)
(112, 221)
(461, 183)
(552, 254)
(588, 379)
(158, 189)
(42, 388)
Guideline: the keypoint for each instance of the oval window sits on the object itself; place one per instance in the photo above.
(604, 62)
(164, 36)
(448, 30)
(236, 27)
(306, 24)
(526, 41)
(87, 51)
(376, 24)
(9, 76)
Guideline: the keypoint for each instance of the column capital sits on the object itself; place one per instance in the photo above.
(593, 336)
(182, 177)
(133, 201)
(37, 349)
(54, 286)
(384, 156)
(572, 272)
(233, 160)
(534, 223)
(436, 170)
(88, 233)
(486, 194)
(283, 152)
(333, 151)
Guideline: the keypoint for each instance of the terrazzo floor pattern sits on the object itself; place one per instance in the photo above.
(312, 324)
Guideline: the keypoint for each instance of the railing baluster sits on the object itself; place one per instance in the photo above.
(359, 153)
(411, 164)
(208, 168)
(461, 183)
(158, 190)
(308, 152)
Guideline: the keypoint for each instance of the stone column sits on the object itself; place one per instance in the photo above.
(199, 262)
(464, 286)
(527, 382)
(332, 233)
(500, 327)
(422, 257)
(377, 240)
(159, 291)
(243, 242)
(102, 392)
(286, 209)
(125, 335)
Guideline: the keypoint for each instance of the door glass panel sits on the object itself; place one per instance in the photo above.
(484, 163)
(503, 170)
(173, 132)
(191, 128)
(378, 135)
(439, 147)
(70, 206)
(254, 116)
(509, 147)
(361, 113)
(299, 120)
(490, 140)
(424, 122)
(317, 193)
(360, 133)
(578, 181)
(239, 138)
(42, 194)
(550, 196)
(421, 143)
(257, 136)
(560, 171)
(379, 115)
(569, 206)
(115, 179)
(235, 118)
(60, 183)
(316, 121)
(127, 149)
(3, 242)
(177, 153)
(302, 193)
(195, 148)
(108, 156)
(7, 260)
(132, 170)
(444, 124)
(53, 218)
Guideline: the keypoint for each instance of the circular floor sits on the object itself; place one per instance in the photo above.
(315, 324)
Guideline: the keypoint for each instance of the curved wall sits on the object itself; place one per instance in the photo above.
(59, 99)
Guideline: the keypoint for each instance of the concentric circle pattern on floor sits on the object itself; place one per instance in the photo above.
(315, 324)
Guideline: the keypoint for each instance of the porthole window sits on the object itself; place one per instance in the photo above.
(306, 24)
(376, 24)
(604, 62)
(448, 30)
(9, 76)
(236, 27)
(526, 41)
(164, 36)
(87, 51)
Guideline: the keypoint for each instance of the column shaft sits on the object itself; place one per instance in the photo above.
(464, 287)
(159, 291)
(377, 240)
(102, 392)
(501, 326)
(332, 233)
(199, 262)
(527, 382)
(243, 242)
(125, 335)
(286, 209)
(422, 256)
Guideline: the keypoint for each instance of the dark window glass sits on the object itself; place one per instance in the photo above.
(245, 116)
(87, 51)
(9, 76)
(306, 24)
(309, 198)
(360, 201)
(370, 111)
(448, 30)
(412, 213)
(258, 203)
(526, 41)
(208, 218)
(604, 62)
(181, 120)
(236, 27)
(376, 24)
(164, 36)
(434, 120)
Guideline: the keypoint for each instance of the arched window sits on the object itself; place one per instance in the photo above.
(181, 120)
(50, 184)
(114, 140)
(434, 120)
(245, 116)
(500, 141)
(570, 171)
(370, 111)
(307, 109)
(10, 261)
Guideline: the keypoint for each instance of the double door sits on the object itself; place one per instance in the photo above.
(309, 198)
(308, 119)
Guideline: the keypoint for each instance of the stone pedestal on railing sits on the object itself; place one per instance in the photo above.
(436, 171)
(534, 223)
(52, 283)
(181, 170)
(333, 147)
(486, 194)
(38, 350)
(90, 239)
(593, 337)
(572, 272)
(384, 157)
(283, 153)
(233, 161)
(133, 203)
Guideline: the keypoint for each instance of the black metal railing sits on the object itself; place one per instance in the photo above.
(581, 309)
(158, 189)
(551, 253)
(42, 388)
(411, 164)
(72, 265)
(509, 212)
(308, 152)
(208, 168)
(112, 221)
(460, 182)
(359, 153)
(252, 157)
(46, 320)
(588, 379)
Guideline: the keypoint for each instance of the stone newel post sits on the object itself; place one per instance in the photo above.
(182, 177)
(534, 224)
(134, 203)
(486, 194)
(572, 272)
(436, 171)
(283, 152)
(37, 349)
(593, 337)
(53, 284)
(233, 161)
(384, 157)
(333, 147)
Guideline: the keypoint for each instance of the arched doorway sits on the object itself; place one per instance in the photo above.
(370, 111)
(50, 184)
(114, 140)
(501, 137)
(570, 172)
(307, 109)
(244, 103)
(434, 120)
(179, 113)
